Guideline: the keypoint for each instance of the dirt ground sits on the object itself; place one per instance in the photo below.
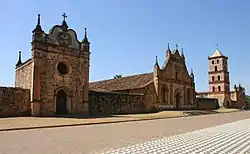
(40, 122)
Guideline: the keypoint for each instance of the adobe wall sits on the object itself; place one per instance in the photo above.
(105, 103)
(14, 102)
(207, 104)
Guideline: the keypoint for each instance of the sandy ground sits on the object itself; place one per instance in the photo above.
(31, 122)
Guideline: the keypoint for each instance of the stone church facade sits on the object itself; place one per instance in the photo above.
(57, 74)
(219, 83)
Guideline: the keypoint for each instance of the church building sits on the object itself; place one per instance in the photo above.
(169, 86)
(57, 75)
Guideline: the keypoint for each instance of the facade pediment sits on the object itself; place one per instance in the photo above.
(175, 69)
(59, 36)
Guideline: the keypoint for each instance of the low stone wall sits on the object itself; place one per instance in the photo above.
(238, 105)
(207, 104)
(14, 102)
(105, 103)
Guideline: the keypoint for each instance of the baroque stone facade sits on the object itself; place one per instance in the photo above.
(14, 102)
(57, 74)
(219, 83)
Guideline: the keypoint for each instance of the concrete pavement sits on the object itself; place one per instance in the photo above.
(231, 138)
(101, 138)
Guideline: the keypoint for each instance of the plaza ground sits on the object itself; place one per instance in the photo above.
(17, 123)
(99, 138)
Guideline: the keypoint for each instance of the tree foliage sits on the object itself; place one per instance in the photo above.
(118, 76)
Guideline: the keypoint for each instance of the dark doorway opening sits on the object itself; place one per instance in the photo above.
(61, 103)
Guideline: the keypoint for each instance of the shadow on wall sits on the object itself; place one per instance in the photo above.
(14, 102)
(207, 104)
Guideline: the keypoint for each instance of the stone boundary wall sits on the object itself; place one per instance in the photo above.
(14, 102)
(107, 103)
(237, 105)
(207, 104)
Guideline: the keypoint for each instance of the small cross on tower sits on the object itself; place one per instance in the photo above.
(177, 46)
(64, 16)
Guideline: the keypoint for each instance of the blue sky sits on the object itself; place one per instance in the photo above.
(126, 35)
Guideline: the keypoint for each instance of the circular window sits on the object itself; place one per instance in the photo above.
(62, 68)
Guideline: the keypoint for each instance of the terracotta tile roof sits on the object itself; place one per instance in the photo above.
(124, 83)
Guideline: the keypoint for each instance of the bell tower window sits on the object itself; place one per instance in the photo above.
(215, 68)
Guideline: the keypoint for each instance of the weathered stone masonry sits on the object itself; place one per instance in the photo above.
(14, 102)
(103, 103)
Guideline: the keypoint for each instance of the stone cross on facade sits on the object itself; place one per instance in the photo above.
(64, 16)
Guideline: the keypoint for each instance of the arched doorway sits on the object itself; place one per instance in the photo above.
(61, 102)
(177, 99)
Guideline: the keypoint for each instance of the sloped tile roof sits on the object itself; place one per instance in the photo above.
(124, 83)
(217, 53)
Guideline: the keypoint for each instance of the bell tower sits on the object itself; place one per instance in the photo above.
(219, 85)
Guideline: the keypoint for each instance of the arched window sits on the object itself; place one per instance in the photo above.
(219, 88)
(218, 61)
(212, 62)
(212, 78)
(218, 78)
(215, 68)
(213, 88)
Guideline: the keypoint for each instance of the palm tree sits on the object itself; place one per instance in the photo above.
(118, 76)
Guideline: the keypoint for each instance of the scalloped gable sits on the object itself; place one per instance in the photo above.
(55, 30)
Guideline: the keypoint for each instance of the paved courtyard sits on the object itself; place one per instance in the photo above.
(231, 138)
(96, 139)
